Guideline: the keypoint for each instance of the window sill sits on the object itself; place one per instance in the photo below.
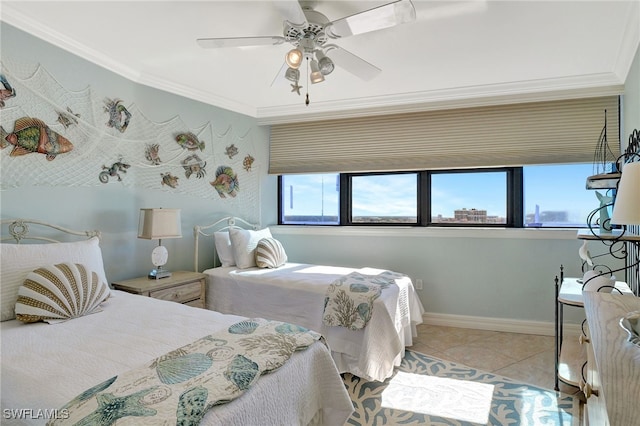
(422, 232)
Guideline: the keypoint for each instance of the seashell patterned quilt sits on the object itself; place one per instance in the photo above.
(349, 299)
(180, 386)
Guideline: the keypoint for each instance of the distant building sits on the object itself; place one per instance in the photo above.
(547, 217)
(472, 215)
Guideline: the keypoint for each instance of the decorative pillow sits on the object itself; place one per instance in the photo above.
(244, 243)
(224, 249)
(270, 253)
(60, 292)
(17, 260)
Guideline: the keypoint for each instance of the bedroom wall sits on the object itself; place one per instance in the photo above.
(500, 279)
(114, 207)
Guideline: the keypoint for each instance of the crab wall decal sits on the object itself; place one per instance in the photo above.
(194, 165)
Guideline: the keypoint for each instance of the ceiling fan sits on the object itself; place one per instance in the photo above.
(308, 31)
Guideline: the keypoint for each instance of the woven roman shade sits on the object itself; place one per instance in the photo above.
(565, 131)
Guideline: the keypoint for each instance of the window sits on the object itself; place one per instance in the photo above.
(310, 199)
(469, 198)
(384, 198)
(530, 196)
(555, 195)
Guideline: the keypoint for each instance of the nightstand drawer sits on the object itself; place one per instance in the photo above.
(198, 303)
(181, 287)
(180, 294)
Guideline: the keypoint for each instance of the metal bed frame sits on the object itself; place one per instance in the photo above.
(19, 230)
(223, 224)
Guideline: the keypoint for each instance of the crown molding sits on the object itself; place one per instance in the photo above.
(630, 43)
(603, 84)
(23, 22)
(196, 95)
(595, 85)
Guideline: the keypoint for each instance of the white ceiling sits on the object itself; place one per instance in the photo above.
(456, 53)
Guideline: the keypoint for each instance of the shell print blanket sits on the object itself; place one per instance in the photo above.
(349, 299)
(180, 386)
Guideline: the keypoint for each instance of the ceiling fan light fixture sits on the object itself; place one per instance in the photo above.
(294, 58)
(325, 63)
(316, 76)
(292, 74)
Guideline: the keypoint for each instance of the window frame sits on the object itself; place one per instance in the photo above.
(514, 202)
(349, 198)
(281, 212)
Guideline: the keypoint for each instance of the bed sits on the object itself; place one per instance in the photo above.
(50, 369)
(295, 292)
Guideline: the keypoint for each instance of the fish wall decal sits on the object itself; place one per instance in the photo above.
(226, 182)
(32, 135)
(189, 141)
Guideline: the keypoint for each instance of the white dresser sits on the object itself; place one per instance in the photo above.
(613, 364)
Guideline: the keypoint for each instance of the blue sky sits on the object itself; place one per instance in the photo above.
(553, 188)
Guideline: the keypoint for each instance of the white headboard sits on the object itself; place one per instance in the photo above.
(220, 225)
(19, 230)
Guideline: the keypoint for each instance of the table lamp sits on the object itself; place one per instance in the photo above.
(626, 209)
(156, 224)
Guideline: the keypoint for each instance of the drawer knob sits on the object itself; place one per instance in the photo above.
(583, 339)
(176, 295)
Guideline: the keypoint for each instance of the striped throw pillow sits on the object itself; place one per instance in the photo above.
(270, 253)
(60, 292)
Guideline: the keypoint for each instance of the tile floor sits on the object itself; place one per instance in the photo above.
(525, 357)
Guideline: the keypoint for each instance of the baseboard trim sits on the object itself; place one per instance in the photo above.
(499, 324)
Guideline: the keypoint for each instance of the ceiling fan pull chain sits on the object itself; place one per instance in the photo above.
(306, 101)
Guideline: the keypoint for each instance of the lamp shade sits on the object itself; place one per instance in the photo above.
(325, 63)
(294, 58)
(159, 224)
(626, 210)
(292, 74)
(316, 76)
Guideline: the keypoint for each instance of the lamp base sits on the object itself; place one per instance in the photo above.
(157, 274)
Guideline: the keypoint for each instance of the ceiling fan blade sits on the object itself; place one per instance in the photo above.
(214, 43)
(352, 63)
(291, 11)
(385, 16)
(279, 78)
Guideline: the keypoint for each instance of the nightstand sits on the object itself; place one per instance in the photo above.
(182, 286)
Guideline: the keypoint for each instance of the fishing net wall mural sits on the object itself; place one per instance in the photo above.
(52, 136)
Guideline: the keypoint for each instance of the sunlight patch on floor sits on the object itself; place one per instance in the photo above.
(438, 396)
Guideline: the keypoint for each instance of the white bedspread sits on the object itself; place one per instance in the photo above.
(295, 293)
(44, 366)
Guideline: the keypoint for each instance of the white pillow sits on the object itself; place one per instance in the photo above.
(270, 253)
(17, 260)
(60, 292)
(244, 243)
(224, 249)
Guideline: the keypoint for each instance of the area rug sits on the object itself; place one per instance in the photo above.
(429, 391)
